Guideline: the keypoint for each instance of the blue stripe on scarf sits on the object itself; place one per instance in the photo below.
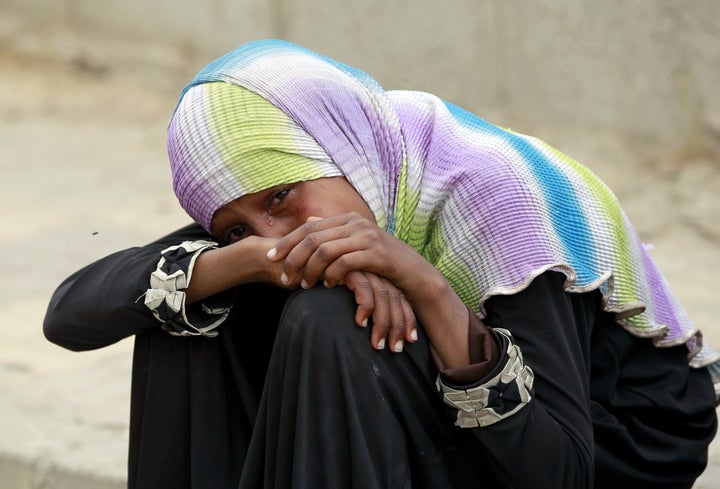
(578, 247)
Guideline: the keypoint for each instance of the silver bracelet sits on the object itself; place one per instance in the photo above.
(166, 295)
(498, 398)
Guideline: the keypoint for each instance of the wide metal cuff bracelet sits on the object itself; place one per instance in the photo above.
(166, 295)
(500, 397)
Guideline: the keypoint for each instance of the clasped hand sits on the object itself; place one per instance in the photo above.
(353, 251)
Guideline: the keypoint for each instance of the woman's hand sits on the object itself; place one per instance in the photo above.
(354, 251)
(329, 249)
(341, 251)
(265, 271)
(392, 316)
(393, 320)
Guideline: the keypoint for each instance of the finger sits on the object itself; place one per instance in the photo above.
(359, 284)
(411, 333)
(360, 246)
(340, 247)
(290, 241)
(274, 276)
(396, 335)
(311, 225)
(315, 251)
(333, 260)
(381, 312)
(367, 248)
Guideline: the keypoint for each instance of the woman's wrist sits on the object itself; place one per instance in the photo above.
(444, 316)
(167, 298)
(223, 268)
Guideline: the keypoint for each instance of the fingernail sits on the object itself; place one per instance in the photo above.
(413, 335)
(364, 323)
(284, 279)
(398, 347)
(313, 218)
(271, 254)
(326, 284)
(381, 344)
(303, 284)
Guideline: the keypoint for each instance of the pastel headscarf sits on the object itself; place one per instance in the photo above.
(490, 208)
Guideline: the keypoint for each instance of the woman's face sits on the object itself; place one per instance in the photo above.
(276, 211)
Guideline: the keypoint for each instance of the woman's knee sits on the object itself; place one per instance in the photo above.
(321, 314)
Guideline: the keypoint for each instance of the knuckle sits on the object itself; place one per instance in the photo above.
(365, 223)
(310, 241)
(324, 251)
(397, 295)
(290, 262)
(364, 284)
(364, 226)
(344, 262)
(382, 291)
(309, 227)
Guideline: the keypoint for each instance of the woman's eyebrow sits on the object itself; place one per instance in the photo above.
(220, 228)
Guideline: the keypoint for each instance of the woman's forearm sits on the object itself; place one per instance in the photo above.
(102, 303)
(445, 319)
(220, 269)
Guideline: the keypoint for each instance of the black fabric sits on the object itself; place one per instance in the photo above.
(194, 401)
(603, 404)
(652, 415)
(191, 402)
(550, 441)
(336, 413)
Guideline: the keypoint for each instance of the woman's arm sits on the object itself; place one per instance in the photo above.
(549, 441)
(103, 302)
(242, 262)
(106, 301)
(246, 262)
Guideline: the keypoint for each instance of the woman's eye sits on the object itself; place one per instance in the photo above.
(235, 234)
(278, 197)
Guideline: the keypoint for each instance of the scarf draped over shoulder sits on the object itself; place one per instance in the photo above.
(490, 208)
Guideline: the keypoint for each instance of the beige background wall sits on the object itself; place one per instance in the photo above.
(646, 67)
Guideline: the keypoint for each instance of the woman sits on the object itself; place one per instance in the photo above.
(466, 249)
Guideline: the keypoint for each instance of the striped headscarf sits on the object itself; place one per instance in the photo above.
(490, 208)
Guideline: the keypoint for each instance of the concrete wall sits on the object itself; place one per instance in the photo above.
(646, 67)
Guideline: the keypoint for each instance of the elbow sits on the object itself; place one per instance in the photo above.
(64, 325)
(565, 462)
(56, 326)
(56, 336)
(66, 334)
(575, 469)
(58, 330)
(53, 335)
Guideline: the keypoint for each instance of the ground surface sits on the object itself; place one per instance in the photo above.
(84, 173)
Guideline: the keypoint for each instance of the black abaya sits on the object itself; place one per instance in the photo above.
(336, 413)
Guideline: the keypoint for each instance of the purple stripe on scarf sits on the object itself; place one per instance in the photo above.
(663, 307)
